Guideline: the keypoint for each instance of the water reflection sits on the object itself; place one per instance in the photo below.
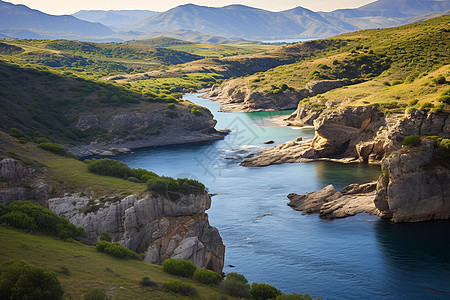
(417, 256)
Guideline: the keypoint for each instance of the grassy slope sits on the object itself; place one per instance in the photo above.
(371, 55)
(90, 269)
(66, 174)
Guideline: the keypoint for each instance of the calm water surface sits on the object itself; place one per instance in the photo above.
(360, 257)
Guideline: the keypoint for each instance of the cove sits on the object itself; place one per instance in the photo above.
(354, 258)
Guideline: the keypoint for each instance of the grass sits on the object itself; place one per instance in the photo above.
(81, 268)
(392, 55)
(68, 175)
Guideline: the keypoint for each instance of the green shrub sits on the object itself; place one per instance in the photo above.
(142, 174)
(179, 267)
(410, 110)
(179, 287)
(396, 82)
(196, 111)
(444, 150)
(439, 80)
(55, 148)
(295, 297)
(105, 236)
(36, 218)
(19, 280)
(168, 184)
(17, 133)
(426, 106)
(413, 102)
(207, 277)
(411, 140)
(235, 285)
(109, 167)
(95, 295)
(116, 250)
(276, 91)
(439, 108)
(40, 140)
(264, 291)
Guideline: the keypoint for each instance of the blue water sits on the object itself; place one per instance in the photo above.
(360, 257)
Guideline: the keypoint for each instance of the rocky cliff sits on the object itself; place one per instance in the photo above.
(414, 186)
(161, 226)
(139, 128)
(238, 97)
(355, 134)
(154, 224)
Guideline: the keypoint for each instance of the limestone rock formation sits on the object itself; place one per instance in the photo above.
(329, 204)
(158, 226)
(357, 134)
(18, 182)
(140, 128)
(410, 190)
(238, 97)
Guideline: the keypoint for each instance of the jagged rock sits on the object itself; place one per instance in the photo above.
(408, 191)
(358, 134)
(11, 169)
(302, 117)
(238, 97)
(155, 225)
(329, 204)
(269, 142)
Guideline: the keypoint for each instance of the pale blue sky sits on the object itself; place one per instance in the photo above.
(72, 6)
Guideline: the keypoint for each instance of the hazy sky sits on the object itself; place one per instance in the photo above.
(72, 6)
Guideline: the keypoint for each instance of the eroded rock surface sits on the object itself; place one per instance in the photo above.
(155, 225)
(237, 97)
(411, 189)
(329, 204)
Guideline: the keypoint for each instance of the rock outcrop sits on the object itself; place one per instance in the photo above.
(155, 225)
(139, 128)
(237, 97)
(329, 204)
(410, 189)
(18, 182)
(355, 134)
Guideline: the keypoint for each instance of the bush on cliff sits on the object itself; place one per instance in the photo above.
(411, 140)
(116, 250)
(207, 277)
(19, 280)
(295, 297)
(179, 287)
(57, 149)
(179, 267)
(36, 218)
(264, 291)
(235, 285)
(109, 167)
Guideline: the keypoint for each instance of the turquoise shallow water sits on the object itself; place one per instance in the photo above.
(360, 257)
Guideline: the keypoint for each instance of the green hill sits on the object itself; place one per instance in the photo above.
(81, 268)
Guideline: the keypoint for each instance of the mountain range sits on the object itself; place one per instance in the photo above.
(214, 24)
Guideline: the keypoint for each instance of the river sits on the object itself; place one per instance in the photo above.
(360, 257)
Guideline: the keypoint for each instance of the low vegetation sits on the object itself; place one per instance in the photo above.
(179, 287)
(116, 250)
(32, 217)
(179, 267)
(19, 280)
(207, 277)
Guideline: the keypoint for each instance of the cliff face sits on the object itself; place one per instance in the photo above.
(155, 225)
(237, 97)
(18, 182)
(139, 128)
(355, 134)
(410, 189)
